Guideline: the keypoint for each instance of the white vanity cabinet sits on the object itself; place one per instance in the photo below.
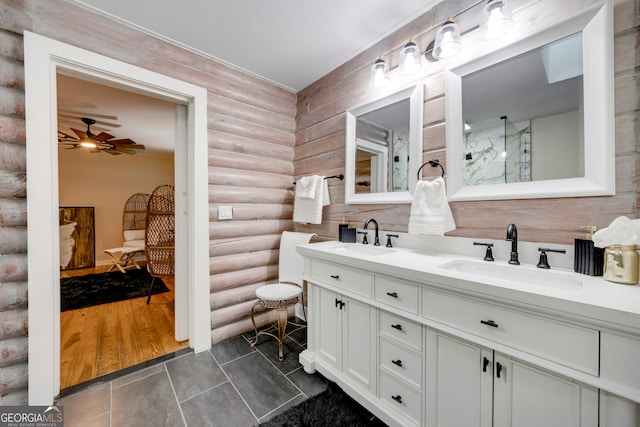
(345, 338)
(470, 385)
(422, 348)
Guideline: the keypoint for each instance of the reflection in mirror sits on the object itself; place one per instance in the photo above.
(524, 117)
(384, 148)
(534, 119)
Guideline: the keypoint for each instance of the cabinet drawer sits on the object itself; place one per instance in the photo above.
(356, 281)
(396, 293)
(401, 396)
(566, 344)
(401, 329)
(619, 359)
(402, 362)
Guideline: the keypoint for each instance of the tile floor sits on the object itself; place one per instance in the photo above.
(230, 385)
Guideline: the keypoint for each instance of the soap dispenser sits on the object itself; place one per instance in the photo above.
(587, 258)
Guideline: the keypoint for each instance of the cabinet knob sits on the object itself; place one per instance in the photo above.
(393, 294)
(398, 327)
(397, 398)
(335, 276)
(397, 362)
(489, 323)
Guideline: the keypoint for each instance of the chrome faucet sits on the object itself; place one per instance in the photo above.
(377, 238)
(512, 235)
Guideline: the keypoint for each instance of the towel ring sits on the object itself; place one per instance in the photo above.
(433, 163)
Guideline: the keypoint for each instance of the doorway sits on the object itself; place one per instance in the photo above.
(44, 58)
(101, 330)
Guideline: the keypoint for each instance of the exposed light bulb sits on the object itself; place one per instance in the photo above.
(447, 43)
(379, 74)
(498, 20)
(410, 59)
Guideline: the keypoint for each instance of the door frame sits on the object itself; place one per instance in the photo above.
(44, 58)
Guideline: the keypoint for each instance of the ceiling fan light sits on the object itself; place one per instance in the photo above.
(497, 19)
(379, 74)
(88, 144)
(410, 59)
(447, 44)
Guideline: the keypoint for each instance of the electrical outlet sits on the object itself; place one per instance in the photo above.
(225, 212)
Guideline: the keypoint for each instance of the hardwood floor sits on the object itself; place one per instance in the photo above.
(102, 339)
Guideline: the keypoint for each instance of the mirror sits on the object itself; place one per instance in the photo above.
(535, 119)
(384, 148)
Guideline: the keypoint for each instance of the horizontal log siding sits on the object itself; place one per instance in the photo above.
(251, 125)
(321, 128)
(13, 221)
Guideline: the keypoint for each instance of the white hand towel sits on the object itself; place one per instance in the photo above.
(306, 187)
(308, 210)
(621, 231)
(430, 211)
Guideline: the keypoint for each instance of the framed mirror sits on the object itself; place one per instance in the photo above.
(384, 148)
(535, 119)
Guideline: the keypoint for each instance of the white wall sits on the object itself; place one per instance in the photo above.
(555, 142)
(105, 182)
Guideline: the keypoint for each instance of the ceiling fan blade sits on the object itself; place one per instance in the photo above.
(81, 134)
(130, 149)
(112, 152)
(124, 141)
(65, 138)
(102, 136)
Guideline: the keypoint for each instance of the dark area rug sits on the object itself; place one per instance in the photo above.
(95, 289)
(331, 408)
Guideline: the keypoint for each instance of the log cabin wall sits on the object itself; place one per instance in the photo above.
(251, 125)
(320, 136)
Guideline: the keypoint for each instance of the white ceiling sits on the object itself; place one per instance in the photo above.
(145, 120)
(291, 43)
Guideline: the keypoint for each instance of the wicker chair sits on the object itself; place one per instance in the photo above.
(160, 234)
(134, 220)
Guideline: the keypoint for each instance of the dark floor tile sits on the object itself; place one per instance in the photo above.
(194, 373)
(310, 384)
(262, 387)
(86, 405)
(298, 399)
(220, 407)
(147, 402)
(135, 376)
(229, 350)
(268, 346)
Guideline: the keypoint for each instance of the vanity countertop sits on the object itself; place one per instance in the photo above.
(598, 301)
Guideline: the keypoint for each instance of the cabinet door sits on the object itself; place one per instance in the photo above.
(359, 354)
(458, 383)
(525, 396)
(329, 332)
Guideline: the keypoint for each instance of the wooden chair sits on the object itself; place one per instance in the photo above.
(160, 234)
(287, 292)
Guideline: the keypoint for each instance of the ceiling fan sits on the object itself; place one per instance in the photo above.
(103, 142)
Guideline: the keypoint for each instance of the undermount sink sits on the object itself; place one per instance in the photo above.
(515, 274)
(361, 249)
